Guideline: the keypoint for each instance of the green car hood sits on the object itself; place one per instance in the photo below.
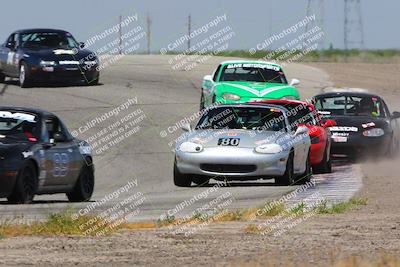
(261, 90)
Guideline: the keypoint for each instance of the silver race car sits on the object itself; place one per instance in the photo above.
(243, 142)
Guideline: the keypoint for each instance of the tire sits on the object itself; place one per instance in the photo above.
(84, 186)
(306, 176)
(26, 185)
(25, 79)
(94, 81)
(288, 176)
(326, 164)
(2, 78)
(202, 101)
(181, 179)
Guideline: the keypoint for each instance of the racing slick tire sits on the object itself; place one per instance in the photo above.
(25, 186)
(94, 81)
(84, 186)
(2, 77)
(288, 176)
(325, 166)
(25, 77)
(180, 179)
(306, 176)
(202, 101)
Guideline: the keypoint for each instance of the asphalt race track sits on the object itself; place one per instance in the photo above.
(164, 97)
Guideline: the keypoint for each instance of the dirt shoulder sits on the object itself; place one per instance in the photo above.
(366, 232)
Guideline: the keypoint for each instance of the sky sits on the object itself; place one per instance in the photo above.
(251, 21)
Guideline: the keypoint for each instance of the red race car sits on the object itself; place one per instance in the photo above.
(303, 113)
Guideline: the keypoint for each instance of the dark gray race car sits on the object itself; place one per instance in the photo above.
(38, 155)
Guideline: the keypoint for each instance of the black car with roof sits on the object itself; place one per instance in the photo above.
(48, 55)
(364, 123)
(38, 155)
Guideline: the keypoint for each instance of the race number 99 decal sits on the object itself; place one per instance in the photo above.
(228, 141)
(61, 164)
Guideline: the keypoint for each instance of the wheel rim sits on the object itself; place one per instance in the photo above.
(22, 74)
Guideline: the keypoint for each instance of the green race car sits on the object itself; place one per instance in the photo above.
(245, 81)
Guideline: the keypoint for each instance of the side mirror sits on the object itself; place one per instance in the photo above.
(294, 82)
(59, 137)
(11, 45)
(81, 45)
(208, 78)
(329, 123)
(186, 127)
(301, 130)
(395, 115)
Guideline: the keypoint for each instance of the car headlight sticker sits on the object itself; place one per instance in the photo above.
(190, 147)
(229, 96)
(269, 149)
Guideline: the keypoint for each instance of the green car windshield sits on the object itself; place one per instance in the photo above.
(252, 73)
(266, 119)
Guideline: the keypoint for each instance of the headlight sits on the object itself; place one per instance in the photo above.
(229, 96)
(289, 97)
(190, 147)
(269, 149)
(47, 63)
(375, 132)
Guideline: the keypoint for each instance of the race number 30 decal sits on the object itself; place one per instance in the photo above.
(61, 164)
(228, 141)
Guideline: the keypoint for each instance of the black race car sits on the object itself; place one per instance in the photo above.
(47, 55)
(364, 123)
(38, 155)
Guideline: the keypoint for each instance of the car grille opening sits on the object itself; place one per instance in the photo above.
(228, 168)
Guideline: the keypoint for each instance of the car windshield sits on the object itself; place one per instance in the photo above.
(253, 73)
(48, 40)
(19, 126)
(351, 106)
(248, 118)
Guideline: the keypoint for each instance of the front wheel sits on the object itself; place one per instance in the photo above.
(24, 76)
(84, 186)
(25, 186)
(181, 179)
(288, 176)
(2, 77)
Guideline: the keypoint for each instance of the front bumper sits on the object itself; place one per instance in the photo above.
(232, 163)
(7, 182)
(73, 73)
(359, 144)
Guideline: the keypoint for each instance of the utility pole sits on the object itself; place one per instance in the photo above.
(148, 20)
(316, 7)
(353, 25)
(120, 35)
(189, 30)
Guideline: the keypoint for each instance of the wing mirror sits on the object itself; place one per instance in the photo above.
(301, 130)
(395, 115)
(294, 82)
(186, 127)
(59, 137)
(329, 123)
(208, 78)
(11, 45)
